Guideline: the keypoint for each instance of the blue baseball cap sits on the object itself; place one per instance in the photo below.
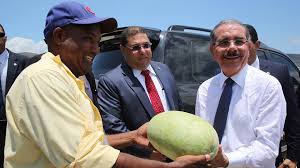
(71, 12)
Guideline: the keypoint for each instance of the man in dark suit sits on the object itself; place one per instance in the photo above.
(124, 97)
(292, 122)
(11, 65)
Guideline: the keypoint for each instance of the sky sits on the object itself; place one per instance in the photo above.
(277, 22)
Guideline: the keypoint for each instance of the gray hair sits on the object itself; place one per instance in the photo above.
(228, 21)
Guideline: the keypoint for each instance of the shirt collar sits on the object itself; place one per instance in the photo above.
(255, 64)
(57, 60)
(238, 78)
(4, 56)
(138, 72)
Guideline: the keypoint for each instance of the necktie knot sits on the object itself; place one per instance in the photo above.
(145, 72)
(229, 81)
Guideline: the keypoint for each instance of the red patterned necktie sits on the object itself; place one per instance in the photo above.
(153, 94)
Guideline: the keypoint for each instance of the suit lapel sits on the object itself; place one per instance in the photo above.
(12, 66)
(91, 79)
(162, 76)
(138, 89)
(264, 66)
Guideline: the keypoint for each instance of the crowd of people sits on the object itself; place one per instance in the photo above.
(53, 115)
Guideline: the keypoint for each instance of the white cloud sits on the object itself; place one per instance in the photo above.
(295, 40)
(20, 45)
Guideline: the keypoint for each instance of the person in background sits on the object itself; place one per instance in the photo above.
(292, 121)
(11, 65)
(51, 120)
(245, 105)
(132, 93)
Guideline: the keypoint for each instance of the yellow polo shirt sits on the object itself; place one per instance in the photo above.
(52, 122)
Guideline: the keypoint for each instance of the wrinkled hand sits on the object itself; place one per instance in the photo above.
(287, 163)
(191, 161)
(220, 160)
(141, 139)
(141, 136)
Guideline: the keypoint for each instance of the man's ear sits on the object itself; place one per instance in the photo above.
(59, 36)
(123, 51)
(257, 44)
(5, 39)
(122, 48)
(211, 48)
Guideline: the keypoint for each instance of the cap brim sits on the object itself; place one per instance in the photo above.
(106, 24)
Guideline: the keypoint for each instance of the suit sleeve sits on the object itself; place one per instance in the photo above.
(292, 123)
(110, 107)
(111, 112)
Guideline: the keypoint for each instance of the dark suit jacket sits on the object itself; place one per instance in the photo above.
(124, 103)
(292, 122)
(16, 63)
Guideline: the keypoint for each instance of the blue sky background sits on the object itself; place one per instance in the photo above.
(277, 22)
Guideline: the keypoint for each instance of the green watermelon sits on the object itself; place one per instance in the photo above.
(176, 133)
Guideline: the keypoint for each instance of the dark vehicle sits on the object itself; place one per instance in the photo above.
(186, 51)
(272, 54)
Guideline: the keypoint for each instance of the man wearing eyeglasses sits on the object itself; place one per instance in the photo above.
(11, 65)
(245, 105)
(132, 93)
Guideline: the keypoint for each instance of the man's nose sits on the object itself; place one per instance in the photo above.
(143, 50)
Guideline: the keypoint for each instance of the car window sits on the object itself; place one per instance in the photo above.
(283, 60)
(177, 56)
(203, 64)
(261, 54)
(188, 57)
(276, 57)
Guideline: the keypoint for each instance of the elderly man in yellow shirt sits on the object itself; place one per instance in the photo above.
(51, 120)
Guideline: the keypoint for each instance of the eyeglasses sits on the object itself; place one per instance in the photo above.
(2, 34)
(227, 43)
(138, 47)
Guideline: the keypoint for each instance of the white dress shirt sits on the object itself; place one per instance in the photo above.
(255, 64)
(255, 120)
(158, 85)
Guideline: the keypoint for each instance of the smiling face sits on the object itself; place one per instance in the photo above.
(137, 58)
(79, 46)
(231, 48)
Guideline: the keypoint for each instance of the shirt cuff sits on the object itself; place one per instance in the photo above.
(236, 159)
